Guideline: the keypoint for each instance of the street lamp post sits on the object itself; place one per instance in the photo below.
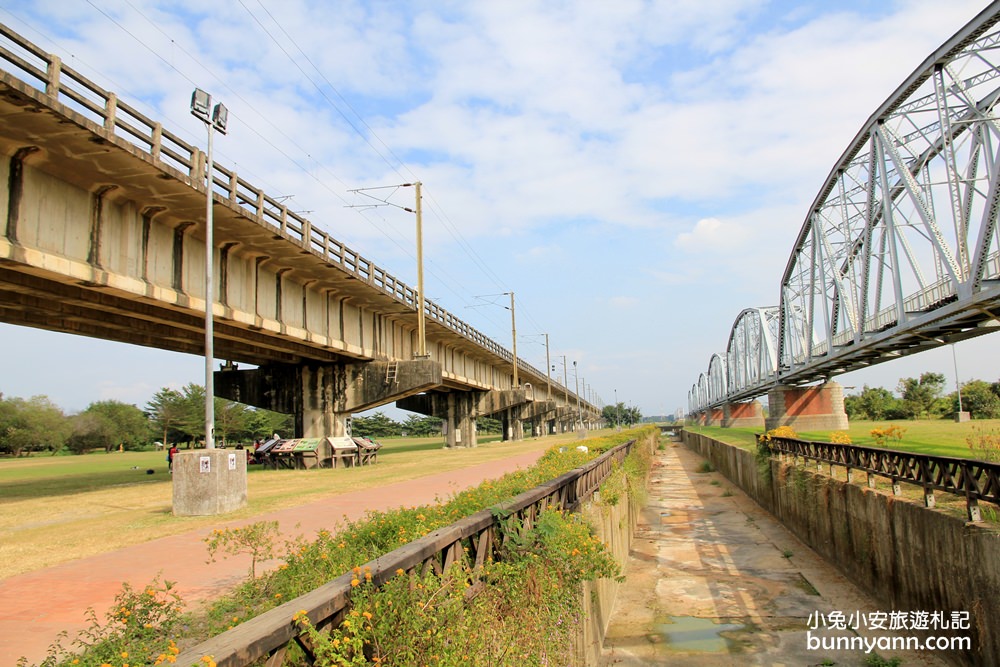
(215, 120)
(960, 415)
(579, 408)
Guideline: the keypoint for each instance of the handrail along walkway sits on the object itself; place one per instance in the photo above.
(473, 540)
(975, 480)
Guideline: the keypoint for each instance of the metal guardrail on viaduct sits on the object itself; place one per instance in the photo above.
(104, 236)
(898, 252)
(975, 480)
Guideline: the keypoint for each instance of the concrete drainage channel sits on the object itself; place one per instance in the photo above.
(713, 579)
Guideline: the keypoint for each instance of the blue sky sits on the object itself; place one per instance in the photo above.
(635, 171)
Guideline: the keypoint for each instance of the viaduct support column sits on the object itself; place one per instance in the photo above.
(323, 396)
(713, 417)
(461, 425)
(743, 415)
(513, 424)
(819, 408)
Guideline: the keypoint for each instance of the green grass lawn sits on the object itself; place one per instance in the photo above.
(44, 475)
(940, 437)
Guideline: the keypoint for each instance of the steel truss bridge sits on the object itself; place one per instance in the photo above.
(900, 250)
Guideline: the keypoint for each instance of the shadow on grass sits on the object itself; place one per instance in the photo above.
(72, 484)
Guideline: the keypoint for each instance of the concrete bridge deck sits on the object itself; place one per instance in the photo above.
(713, 579)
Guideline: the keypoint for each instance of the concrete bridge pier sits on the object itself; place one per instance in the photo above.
(743, 415)
(817, 408)
(456, 408)
(461, 409)
(714, 417)
(323, 396)
(513, 423)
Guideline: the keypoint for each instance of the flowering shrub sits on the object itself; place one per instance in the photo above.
(136, 632)
(779, 432)
(984, 443)
(546, 569)
(431, 619)
(891, 432)
(840, 438)
(256, 539)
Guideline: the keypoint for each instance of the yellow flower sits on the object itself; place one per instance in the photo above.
(124, 654)
(354, 582)
(277, 596)
(400, 572)
(367, 615)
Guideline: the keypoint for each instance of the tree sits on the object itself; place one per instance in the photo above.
(265, 423)
(631, 415)
(488, 425)
(417, 426)
(872, 403)
(192, 421)
(615, 414)
(31, 425)
(165, 411)
(231, 421)
(978, 399)
(374, 426)
(110, 424)
(919, 396)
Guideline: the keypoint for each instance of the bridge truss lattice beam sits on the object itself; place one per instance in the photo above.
(900, 250)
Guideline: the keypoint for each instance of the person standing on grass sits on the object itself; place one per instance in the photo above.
(171, 453)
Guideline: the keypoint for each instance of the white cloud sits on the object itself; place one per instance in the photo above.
(711, 235)
(657, 141)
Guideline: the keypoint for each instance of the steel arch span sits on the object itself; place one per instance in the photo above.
(900, 249)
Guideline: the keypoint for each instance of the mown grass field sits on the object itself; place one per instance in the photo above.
(54, 509)
(940, 437)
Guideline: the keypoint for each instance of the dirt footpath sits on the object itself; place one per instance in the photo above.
(714, 580)
(37, 606)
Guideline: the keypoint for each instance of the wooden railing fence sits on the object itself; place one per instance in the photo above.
(472, 541)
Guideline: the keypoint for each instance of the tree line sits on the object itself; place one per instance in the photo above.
(621, 415)
(378, 425)
(924, 398)
(170, 417)
(178, 417)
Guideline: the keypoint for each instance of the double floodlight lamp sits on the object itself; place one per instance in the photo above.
(201, 108)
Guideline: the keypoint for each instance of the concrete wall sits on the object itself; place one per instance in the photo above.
(615, 525)
(908, 557)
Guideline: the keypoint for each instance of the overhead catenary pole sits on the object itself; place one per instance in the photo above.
(417, 210)
(421, 325)
(579, 408)
(548, 367)
(513, 335)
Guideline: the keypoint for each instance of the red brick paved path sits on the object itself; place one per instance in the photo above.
(35, 607)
